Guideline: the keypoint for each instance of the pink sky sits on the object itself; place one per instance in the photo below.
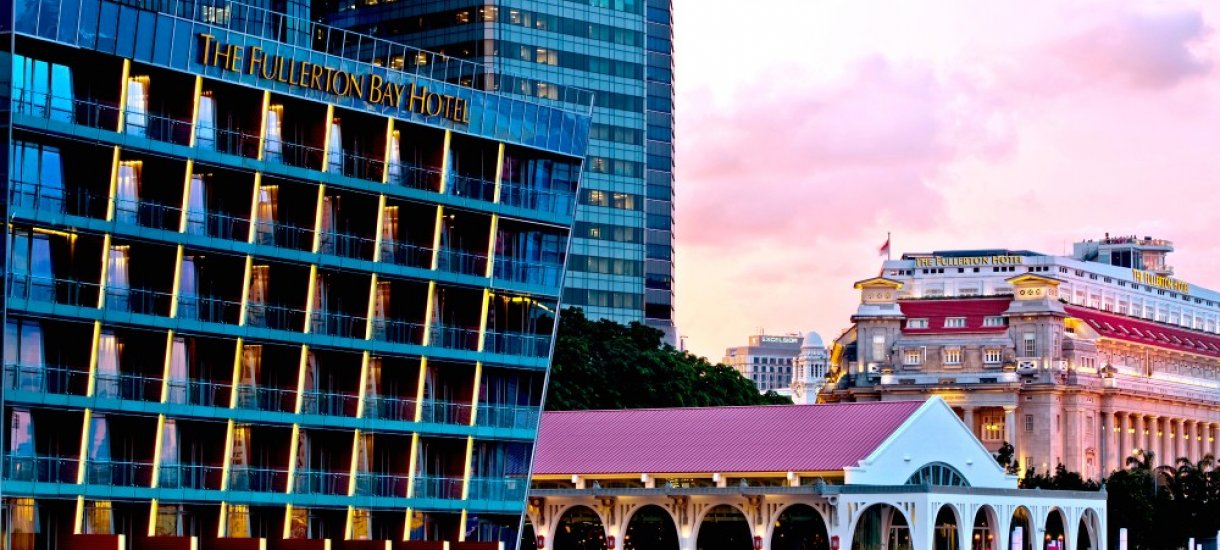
(807, 129)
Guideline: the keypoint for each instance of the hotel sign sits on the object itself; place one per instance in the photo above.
(370, 87)
(779, 339)
(1160, 281)
(968, 261)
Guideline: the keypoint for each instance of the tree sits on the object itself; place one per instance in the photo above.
(1006, 459)
(607, 365)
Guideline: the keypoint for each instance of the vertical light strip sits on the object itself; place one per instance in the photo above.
(104, 276)
(371, 310)
(160, 439)
(176, 288)
(377, 236)
(222, 526)
(165, 368)
(84, 448)
(428, 312)
(483, 318)
(362, 394)
(467, 468)
(491, 245)
(499, 171)
(436, 237)
(258, 184)
(412, 458)
(389, 138)
(462, 522)
(445, 163)
(195, 113)
(245, 291)
(348, 528)
(262, 124)
(293, 449)
(474, 394)
(309, 299)
(227, 465)
(406, 526)
(304, 366)
(419, 389)
(80, 515)
(152, 518)
(186, 192)
(114, 183)
(123, 95)
(238, 360)
(326, 144)
(317, 218)
(91, 385)
(351, 480)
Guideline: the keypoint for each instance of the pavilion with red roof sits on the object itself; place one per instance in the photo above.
(898, 475)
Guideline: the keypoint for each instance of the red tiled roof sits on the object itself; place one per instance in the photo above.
(777, 438)
(1139, 331)
(936, 311)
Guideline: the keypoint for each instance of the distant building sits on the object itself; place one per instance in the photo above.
(766, 360)
(1080, 360)
(812, 362)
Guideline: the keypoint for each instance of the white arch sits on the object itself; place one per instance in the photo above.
(993, 524)
(621, 528)
(854, 522)
(698, 525)
(1068, 543)
(770, 527)
(1032, 532)
(957, 521)
(1092, 524)
(558, 517)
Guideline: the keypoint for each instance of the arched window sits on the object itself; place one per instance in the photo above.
(938, 473)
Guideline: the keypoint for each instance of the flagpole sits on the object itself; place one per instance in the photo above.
(888, 248)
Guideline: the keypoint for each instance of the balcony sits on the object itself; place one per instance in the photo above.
(465, 263)
(415, 177)
(398, 332)
(389, 408)
(41, 469)
(138, 300)
(498, 488)
(513, 417)
(266, 399)
(454, 338)
(381, 485)
(446, 412)
(189, 476)
(362, 167)
(118, 473)
(329, 403)
(261, 480)
(517, 343)
(287, 236)
(438, 487)
(407, 255)
(528, 272)
(318, 482)
(52, 290)
(338, 324)
(200, 393)
(542, 200)
(275, 317)
(347, 246)
(471, 187)
(45, 380)
(129, 387)
(209, 309)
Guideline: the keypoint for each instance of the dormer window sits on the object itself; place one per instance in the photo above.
(955, 322)
(917, 323)
(993, 321)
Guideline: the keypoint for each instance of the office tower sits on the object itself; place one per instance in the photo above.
(621, 51)
(270, 281)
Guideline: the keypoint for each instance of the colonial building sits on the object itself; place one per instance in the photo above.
(1079, 360)
(896, 476)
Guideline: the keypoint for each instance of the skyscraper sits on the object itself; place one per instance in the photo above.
(266, 280)
(621, 50)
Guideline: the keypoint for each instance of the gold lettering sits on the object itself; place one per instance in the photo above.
(375, 94)
(279, 70)
(304, 73)
(234, 58)
(341, 78)
(428, 104)
(208, 41)
(314, 76)
(422, 96)
(255, 59)
(462, 111)
(355, 84)
(217, 54)
(393, 93)
(270, 68)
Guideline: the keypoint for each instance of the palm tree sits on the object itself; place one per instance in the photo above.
(1141, 460)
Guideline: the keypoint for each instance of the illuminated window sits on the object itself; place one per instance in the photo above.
(879, 347)
(953, 356)
(993, 427)
(1031, 345)
(463, 17)
(912, 357)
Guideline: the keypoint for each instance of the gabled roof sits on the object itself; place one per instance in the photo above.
(1149, 333)
(975, 310)
(776, 438)
(1032, 278)
(876, 282)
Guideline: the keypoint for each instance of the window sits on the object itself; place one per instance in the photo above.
(953, 356)
(993, 427)
(955, 322)
(992, 356)
(993, 321)
(1029, 423)
(878, 347)
(1031, 345)
(912, 357)
(938, 473)
(917, 323)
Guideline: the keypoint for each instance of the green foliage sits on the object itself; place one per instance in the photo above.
(1161, 506)
(607, 365)
(1006, 459)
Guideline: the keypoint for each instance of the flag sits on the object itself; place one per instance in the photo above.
(885, 248)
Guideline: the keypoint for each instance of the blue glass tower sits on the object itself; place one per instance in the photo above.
(270, 283)
(622, 51)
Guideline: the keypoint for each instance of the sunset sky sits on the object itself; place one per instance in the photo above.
(807, 129)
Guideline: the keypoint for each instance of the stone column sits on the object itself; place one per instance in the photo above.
(1194, 443)
(968, 418)
(1124, 436)
(1010, 426)
(1139, 441)
(1179, 442)
(1154, 436)
(1214, 444)
(1106, 421)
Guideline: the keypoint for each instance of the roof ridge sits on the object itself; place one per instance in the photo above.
(770, 406)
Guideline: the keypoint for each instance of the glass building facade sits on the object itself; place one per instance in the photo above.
(270, 283)
(622, 51)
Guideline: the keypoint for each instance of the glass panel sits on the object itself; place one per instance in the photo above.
(205, 128)
(136, 121)
(107, 382)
